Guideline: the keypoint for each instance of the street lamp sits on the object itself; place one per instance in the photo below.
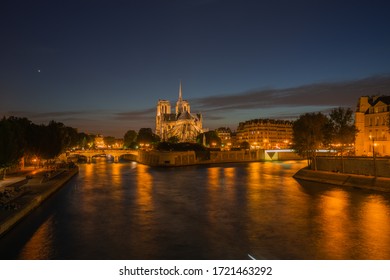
(285, 144)
(35, 161)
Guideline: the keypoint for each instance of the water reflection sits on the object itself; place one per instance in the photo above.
(375, 227)
(116, 174)
(144, 198)
(132, 211)
(214, 178)
(334, 222)
(40, 246)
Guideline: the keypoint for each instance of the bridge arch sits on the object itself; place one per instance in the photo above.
(116, 154)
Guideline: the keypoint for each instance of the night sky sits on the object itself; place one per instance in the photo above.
(102, 65)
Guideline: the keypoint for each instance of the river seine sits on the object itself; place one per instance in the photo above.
(132, 211)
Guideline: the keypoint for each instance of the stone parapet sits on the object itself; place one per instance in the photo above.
(356, 165)
(344, 180)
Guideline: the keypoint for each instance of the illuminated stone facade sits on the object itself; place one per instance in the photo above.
(99, 142)
(181, 124)
(371, 119)
(225, 134)
(265, 133)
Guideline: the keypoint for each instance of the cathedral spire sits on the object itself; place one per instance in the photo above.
(180, 93)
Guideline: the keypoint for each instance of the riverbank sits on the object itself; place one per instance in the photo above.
(23, 196)
(185, 158)
(344, 180)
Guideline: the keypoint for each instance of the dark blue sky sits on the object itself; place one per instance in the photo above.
(102, 65)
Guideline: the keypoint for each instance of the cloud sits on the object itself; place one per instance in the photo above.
(51, 115)
(335, 94)
(80, 119)
(227, 109)
(136, 115)
(95, 121)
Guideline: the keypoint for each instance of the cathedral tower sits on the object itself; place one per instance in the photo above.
(163, 108)
(182, 105)
(182, 124)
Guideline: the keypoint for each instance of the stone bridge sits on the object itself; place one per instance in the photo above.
(116, 154)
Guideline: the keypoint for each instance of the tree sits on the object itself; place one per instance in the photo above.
(12, 143)
(147, 137)
(52, 138)
(19, 137)
(109, 140)
(342, 130)
(88, 140)
(245, 145)
(129, 139)
(49, 141)
(69, 136)
(211, 138)
(84, 139)
(309, 134)
(173, 139)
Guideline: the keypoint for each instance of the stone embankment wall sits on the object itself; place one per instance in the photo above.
(343, 180)
(235, 156)
(159, 158)
(356, 165)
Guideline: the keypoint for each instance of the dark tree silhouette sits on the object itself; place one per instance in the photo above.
(341, 130)
(147, 137)
(309, 134)
(12, 143)
(211, 138)
(129, 139)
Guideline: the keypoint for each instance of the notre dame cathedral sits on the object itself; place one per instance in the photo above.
(182, 124)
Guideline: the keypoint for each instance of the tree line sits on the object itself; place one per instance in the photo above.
(313, 131)
(19, 137)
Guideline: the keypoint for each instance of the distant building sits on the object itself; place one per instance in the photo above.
(118, 144)
(224, 133)
(371, 119)
(99, 142)
(181, 124)
(265, 133)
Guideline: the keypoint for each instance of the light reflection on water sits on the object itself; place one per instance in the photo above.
(132, 211)
(40, 246)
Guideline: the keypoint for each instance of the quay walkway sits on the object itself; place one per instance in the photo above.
(20, 195)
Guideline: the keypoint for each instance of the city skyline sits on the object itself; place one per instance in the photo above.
(101, 66)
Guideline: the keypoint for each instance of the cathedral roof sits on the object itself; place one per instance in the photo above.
(169, 117)
(185, 116)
